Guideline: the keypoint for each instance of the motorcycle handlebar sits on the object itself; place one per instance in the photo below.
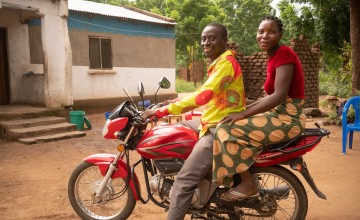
(153, 118)
(158, 105)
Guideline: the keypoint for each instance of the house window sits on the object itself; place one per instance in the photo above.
(100, 53)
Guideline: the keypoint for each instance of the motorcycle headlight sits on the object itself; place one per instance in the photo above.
(113, 127)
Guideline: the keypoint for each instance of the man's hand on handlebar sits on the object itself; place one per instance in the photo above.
(148, 113)
(166, 102)
(151, 111)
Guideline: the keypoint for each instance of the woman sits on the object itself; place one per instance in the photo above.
(239, 137)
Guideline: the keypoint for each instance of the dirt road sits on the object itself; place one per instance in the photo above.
(33, 178)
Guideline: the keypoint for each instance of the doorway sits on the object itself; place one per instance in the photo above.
(4, 70)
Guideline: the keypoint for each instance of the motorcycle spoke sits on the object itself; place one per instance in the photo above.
(285, 201)
(285, 213)
(110, 204)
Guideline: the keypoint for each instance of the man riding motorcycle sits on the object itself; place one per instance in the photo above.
(222, 93)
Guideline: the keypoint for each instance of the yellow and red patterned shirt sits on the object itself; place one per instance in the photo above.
(222, 93)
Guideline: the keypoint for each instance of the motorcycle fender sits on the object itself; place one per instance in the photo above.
(103, 161)
(300, 165)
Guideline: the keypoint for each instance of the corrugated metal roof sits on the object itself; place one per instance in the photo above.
(111, 10)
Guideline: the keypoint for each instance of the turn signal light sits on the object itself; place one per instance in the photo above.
(120, 148)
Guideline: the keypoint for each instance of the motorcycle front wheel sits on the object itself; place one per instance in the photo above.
(116, 203)
(282, 194)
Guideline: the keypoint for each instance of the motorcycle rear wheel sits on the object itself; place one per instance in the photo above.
(291, 206)
(115, 205)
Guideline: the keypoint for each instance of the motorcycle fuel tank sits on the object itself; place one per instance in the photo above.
(167, 141)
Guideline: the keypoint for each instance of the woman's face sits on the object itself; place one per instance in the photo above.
(268, 35)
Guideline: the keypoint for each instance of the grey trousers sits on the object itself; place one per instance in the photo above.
(195, 168)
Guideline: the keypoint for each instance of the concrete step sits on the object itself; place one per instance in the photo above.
(5, 126)
(53, 137)
(32, 124)
(18, 111)
(16, 134)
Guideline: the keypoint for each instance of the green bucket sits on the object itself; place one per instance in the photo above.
(77, 118)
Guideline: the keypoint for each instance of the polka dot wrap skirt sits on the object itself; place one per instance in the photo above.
(236, 147)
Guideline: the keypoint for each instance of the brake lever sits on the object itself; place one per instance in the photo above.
(158, 105)
(154, 119)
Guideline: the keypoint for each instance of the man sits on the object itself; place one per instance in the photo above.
(222, 93)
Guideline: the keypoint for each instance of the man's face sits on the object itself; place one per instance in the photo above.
(213, 42)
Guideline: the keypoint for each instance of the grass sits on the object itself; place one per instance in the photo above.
(183, 86)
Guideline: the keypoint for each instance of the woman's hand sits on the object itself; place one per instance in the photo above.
(232, 118)
(148, 114)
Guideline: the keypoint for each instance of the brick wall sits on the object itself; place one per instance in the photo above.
(254, 70)
(194, 73)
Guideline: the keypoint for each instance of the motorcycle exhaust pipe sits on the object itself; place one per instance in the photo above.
(278, 192)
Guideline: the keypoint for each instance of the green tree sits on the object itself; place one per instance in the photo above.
(337, 22)
(355, 45)
(242, 20)
(297, 20)
(112, 2)
(330, 18)
(148, 5)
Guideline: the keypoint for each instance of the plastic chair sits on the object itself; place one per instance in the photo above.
(350, 128)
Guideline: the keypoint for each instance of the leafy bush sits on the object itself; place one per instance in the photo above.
(351, 115)
(336, 79)
(182, 86)
(331, 110)
(334, 112)
(332, 84)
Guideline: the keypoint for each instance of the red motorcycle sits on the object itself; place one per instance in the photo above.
(105, 186)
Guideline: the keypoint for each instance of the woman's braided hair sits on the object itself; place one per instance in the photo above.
(276, 19)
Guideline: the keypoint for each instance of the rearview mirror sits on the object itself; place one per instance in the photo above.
(141, 90)
(164, 83)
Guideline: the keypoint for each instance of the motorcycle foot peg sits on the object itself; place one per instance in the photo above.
(197, 216)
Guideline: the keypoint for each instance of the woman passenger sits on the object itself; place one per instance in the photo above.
(278, 117)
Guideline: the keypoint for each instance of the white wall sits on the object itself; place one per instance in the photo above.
(22, 89)
(51, 88)
(106, 85)
(57, 83)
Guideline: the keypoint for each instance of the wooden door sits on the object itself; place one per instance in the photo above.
(4, 70)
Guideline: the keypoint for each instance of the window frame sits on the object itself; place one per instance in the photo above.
(100, 53)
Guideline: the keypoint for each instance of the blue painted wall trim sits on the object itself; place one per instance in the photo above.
(35, 22)
(106, 24)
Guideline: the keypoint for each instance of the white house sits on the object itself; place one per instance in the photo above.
(75, 53)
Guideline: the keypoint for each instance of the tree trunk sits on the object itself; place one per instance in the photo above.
(355, 45)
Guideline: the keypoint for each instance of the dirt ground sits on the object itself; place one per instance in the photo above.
(33, 178)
